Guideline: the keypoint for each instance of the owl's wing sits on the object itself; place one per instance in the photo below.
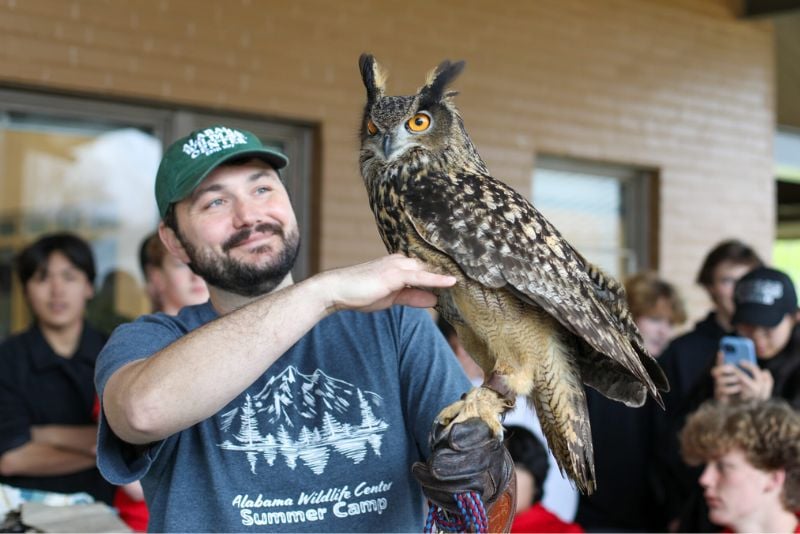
(500, 240)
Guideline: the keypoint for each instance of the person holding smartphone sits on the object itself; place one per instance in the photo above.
(766, 313)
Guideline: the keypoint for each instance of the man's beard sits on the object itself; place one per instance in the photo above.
(240, 278)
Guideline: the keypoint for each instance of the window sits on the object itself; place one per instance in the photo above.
(602, 210)
(89, 167)
(786, 255)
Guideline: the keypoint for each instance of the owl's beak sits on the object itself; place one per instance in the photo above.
(387, 145)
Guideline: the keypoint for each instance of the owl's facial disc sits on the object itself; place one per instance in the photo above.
(396, 142)
(402, 138)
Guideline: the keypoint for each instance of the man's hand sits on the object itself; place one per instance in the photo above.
(731, 382)
(381, 283)
(466, 457)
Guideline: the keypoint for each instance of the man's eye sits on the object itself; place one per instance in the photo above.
(214, 203)
(262, 190)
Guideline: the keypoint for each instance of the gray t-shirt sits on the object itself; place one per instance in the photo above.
(322, 442)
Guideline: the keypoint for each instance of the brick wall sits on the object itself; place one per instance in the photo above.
(679, 85)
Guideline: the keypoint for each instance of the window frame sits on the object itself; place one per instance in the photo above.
(639, 203)
(168, 122)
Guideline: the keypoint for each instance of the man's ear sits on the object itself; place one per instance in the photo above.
(171, 241)
(776, 480)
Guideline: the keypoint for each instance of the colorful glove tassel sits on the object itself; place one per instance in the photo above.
(471, 516)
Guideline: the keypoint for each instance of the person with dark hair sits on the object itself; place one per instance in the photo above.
(531, 464)
(47, 437)
(170, 283)
(278, 405)
(622, 435)
(689, 357)
(751, 452)
(766, 313)
(687, 363)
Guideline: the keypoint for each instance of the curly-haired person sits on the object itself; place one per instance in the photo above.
(751, 479)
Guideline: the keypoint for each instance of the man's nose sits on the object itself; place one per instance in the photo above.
(247, 214)
(56, 285)
(707, 476)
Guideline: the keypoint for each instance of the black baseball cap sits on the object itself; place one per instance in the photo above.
(763, 297)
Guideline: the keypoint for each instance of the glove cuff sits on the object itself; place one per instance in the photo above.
(502, 511)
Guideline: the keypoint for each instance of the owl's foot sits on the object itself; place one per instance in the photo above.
(482, 402)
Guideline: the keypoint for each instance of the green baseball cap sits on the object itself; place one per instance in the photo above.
(190, 159)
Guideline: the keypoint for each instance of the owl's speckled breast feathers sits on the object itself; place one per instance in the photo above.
(537, 317)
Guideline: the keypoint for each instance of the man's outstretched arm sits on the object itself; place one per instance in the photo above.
(194, 377)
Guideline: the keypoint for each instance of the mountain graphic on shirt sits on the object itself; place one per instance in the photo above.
(305, 419)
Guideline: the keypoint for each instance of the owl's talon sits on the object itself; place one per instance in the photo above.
(481, 402)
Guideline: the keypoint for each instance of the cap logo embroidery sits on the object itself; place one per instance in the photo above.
(760, 292)
(212, 140)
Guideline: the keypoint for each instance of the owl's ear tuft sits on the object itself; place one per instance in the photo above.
(438, 80)
(373, 75)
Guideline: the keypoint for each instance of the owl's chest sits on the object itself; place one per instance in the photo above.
(390, 215)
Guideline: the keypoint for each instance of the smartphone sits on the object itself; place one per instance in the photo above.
(736, 349)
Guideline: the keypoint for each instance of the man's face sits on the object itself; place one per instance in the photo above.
(769, 342)
(735, 490)
(58, 292)
(238, 229)
(656, 326)
(723, 280)
(176, 286)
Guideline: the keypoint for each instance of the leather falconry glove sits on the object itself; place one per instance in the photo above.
(466, 457)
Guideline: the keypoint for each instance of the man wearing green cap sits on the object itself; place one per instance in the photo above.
(276, 405)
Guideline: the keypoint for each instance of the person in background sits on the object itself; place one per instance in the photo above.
(766, 313)
(47, 437)
(560, 495)
(531, 467)
(627, 493)
(688, 358)
(657, 308)
(765, 304)
(687, 363)
(169, 282)
(751, 452)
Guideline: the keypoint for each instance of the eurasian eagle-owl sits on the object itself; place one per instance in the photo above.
(537, 317)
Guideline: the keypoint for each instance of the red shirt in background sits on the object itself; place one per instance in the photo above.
(537, 518)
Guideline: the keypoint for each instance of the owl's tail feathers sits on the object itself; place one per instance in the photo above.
(560, 403)
(616, 382)
(656, 373)
(565, 423)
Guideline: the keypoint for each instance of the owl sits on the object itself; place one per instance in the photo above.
(539, 319)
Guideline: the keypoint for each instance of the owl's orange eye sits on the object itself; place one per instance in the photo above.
(371, 128)
(419, 122)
